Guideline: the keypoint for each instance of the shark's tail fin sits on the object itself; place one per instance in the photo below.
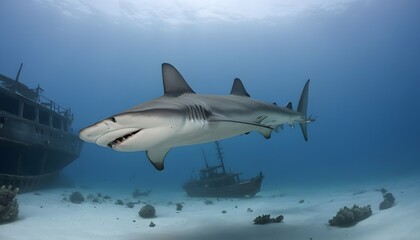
(302, 107)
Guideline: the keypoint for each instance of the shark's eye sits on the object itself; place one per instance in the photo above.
(113, 119)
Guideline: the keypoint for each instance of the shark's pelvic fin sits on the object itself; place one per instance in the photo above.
(173, 82)
(238, 88)
(156, 157)
(302, 107)
(265, 132)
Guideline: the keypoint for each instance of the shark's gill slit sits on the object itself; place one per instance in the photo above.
(123, 138)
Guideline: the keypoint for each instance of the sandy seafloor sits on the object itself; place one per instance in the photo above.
(45, 215)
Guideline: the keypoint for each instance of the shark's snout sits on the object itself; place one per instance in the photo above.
(97, 130)
(93, 132)
(107, 133)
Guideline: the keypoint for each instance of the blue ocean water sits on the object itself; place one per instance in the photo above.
(363, 59)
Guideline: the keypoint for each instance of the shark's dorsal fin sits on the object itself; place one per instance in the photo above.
(173, 82)
(238, 88)
(156, 157)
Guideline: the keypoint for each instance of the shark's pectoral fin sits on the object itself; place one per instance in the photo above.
(156, 157)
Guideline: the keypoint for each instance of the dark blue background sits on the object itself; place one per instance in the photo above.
(364, 62)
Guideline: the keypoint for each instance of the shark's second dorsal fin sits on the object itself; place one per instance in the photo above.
(238, 88)
(289, 105)
(173, 82)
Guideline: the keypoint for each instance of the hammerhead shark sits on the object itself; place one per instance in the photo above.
(181, 117)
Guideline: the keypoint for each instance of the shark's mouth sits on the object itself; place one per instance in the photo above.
(123, 138)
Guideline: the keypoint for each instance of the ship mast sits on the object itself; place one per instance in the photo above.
(220, 155)
(18, 73)
(205, 158)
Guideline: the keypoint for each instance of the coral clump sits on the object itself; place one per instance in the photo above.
(76, 197)
(9, 208)
(347, 217)
(147, 211)
(179, 206)
(388, 202)
(130, 204)
(264, 219)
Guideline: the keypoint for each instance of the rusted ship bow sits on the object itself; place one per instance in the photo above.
(36, 140)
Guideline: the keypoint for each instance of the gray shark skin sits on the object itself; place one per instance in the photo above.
(180, 117)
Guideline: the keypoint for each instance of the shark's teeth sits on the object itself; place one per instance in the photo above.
(122, 139)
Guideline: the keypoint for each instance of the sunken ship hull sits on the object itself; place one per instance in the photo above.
(215, 181)
(35, 137)
(199, 188)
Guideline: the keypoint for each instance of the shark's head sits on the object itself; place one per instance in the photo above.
(145, 126)
(132, 131)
